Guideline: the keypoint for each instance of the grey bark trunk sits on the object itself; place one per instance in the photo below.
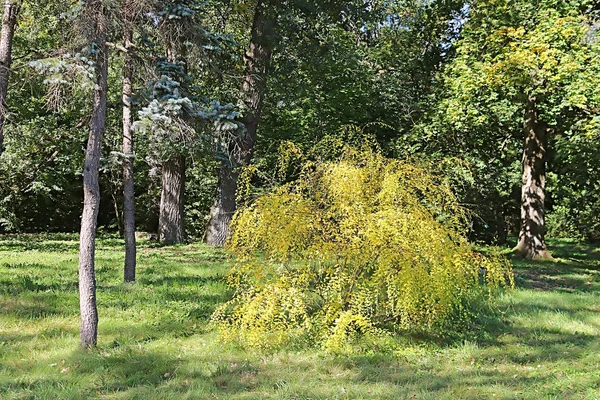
(128, 184)
(171, 218)
(171, 221)
(532, 244)
(91, 188)
(224, 207)
(257, 60)
(9, 22)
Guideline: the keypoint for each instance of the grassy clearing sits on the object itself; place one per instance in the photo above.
(154, 341)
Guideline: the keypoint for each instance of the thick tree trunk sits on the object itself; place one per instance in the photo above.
(224, 208)
(258, 60)
(171, 218)
(171, 222)
(91, 188)
(9, 23)
(531, 239)
(128, 184)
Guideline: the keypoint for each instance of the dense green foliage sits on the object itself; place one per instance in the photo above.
(327, 72)
(511, 54)
(427, 78)
(357, 247)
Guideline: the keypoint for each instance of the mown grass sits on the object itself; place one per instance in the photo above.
(155, 342)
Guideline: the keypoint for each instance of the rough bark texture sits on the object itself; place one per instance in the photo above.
(91, 188)
(224, 208)
(9, 22)
(171, 222)
(171, 219)
(531, 239)
(257, 60)
(128, 184)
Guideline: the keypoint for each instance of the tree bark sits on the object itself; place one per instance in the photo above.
(257, 60)
(91, 188)
(128, 184)
(9, 23)
(532, 244)
(171, 221)
(224, 207)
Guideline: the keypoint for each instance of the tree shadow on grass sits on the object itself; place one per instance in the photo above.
(135, 372)
(119, 369)
(489, 369)
(35, 284)
(575, 268)
(180, 280)
(575, 250)
(69, 243)
(39, 306)
(93, 374)
(39, 245)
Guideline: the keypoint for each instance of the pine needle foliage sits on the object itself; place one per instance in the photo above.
(355, 249)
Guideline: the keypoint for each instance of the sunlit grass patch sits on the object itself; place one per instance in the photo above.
(155, 341)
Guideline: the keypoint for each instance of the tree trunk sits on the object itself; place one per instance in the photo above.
(531, 239)
(9, 22)
(257, 60)
(171, 227)
(171, 220)
(154, 191)
(91, 188)
(224, 208)
(128, 184)
(118, 214)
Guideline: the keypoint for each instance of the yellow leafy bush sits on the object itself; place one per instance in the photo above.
(355, 248)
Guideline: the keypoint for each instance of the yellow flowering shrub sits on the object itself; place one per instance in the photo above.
(355, 248)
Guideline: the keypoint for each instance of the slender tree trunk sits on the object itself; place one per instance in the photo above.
(258, 60)
(128, 184)
(118, 214)
(9, 23)
(91, 187)
(501, 225)
(171, 221)
(154, 190)
(531, 239)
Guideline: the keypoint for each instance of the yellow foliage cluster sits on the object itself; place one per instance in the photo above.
(355, 248)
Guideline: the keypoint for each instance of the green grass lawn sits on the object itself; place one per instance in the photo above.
(155, 343)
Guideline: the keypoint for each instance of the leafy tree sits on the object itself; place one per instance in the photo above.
(176, 121)
(530, 68)
(240, 150)
(338, 63)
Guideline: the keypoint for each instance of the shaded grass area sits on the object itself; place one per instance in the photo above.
(155, 342)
